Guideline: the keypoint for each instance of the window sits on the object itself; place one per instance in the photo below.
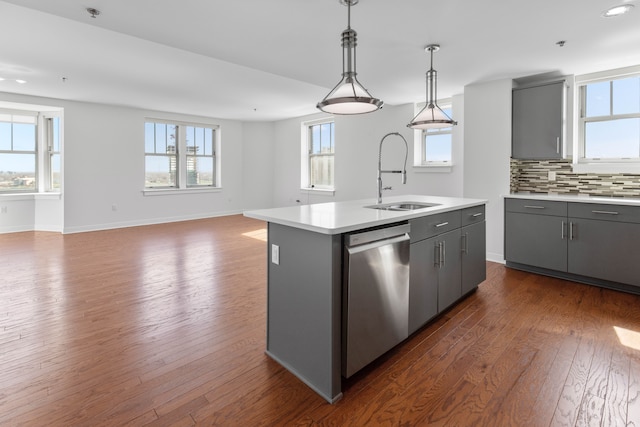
(318, 154)
(161, 155)
(436, 144)
(200, 156)
(609, 122)
(180, 155)
(53, 161)
(18, 153)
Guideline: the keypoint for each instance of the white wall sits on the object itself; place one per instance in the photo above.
(357, 143)
(103, 166)
(258, 158)
(487, 148)
(17, 213)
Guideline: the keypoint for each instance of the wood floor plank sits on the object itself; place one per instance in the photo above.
(617, 397)
(633, 400)
(171, 331)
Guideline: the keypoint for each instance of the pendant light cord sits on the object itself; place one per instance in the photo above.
(432, 86)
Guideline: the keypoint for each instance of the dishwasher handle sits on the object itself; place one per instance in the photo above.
(376, 235)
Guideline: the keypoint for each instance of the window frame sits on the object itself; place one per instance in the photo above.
(196, 156)
(420, 142)
(49, 150)
(582, 163)
(307, 156)
(36, 149)
(182, 158)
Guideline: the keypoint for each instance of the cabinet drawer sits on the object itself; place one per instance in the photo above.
(472, 215)
(605, 212)
(432, 225)
(540, 207)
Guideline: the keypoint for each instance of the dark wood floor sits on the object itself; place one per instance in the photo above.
(165, 325)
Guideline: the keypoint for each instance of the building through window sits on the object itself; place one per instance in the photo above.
(30, 152)
(180, 155)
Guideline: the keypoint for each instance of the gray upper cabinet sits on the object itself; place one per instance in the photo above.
(538, 121)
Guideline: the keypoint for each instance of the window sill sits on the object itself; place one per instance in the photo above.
(433, 168)
(319, 191)
(167, 191)
(30, 196)
(606, 168)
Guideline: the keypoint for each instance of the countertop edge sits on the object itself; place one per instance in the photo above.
(575, 198)
(384, 217)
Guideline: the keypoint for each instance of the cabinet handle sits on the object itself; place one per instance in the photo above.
(444, 254)
(562, 233)
(558, 145)
(442, 224)
(571, 224)
(534, 207)
(437, 255)
(477, 214)
(465, 243)
(605, 212)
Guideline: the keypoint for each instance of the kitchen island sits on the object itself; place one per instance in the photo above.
(306, 273)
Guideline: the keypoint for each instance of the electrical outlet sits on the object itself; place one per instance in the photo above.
(275, 254)
(4, 209)
(552, 176)
(114, 207)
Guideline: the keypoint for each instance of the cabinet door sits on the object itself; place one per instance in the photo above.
(537, 122)
(450, 271)
(474, 256)
(536, 240)
(605, 250)
(423, 283)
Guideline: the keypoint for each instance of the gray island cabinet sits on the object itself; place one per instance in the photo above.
(306, 278)
(586, 239)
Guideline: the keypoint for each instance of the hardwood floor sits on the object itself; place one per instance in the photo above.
(165, 325)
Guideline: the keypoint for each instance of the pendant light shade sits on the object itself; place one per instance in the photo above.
(431, 116)
(349, 96)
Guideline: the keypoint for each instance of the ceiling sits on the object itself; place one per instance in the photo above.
(270, 60)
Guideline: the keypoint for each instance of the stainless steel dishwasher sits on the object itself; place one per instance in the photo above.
(376, 295)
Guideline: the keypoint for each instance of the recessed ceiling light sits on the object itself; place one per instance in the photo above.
(21, 81)
(617, 10)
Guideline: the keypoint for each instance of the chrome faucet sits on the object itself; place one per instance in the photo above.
(380, 171)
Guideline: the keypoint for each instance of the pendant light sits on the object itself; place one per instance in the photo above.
(349, 96)
(431, 116)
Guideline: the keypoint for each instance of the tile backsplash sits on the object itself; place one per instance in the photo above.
(533, 176)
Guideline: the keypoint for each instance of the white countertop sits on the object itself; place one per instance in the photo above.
(343, 217)
(576, 198)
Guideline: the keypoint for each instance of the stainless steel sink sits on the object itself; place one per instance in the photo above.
(402, 206)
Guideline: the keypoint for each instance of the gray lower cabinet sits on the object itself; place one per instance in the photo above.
(535, 239)
(448, 260)
(474, 256)
(423, 283)
(449, 269)
(435, 277)
(591, 243)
